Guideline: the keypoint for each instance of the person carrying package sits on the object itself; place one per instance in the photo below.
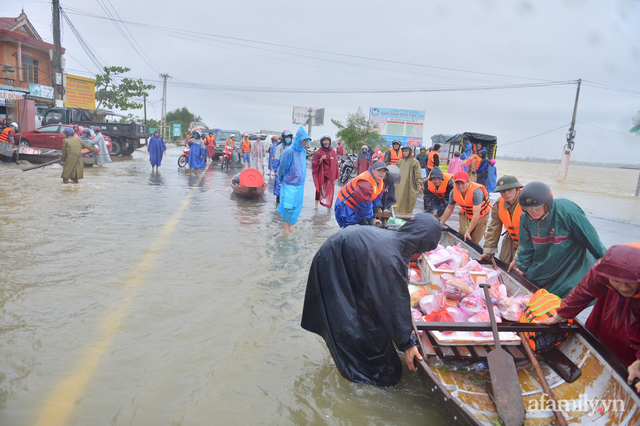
(557, 243)
(361, 308)
(392, 155)
(292, 172)
(71, 156)
(505, 213)
(614, 283)
(437, 192)
(474, 203)
(360, 199)
(411, 184)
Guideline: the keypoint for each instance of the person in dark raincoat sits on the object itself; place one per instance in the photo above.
(364, 160)
(324, 166)
(614, 283)
(72, 147)
(156, 150)
(287, 139)
(196, 152)
(292, 172)
(557, 243)
(357, 298)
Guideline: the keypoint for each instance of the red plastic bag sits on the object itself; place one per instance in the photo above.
(440, 315)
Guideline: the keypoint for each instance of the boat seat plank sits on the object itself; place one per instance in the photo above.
(426, 344)
(463, 352)
(516, 353)
(479, 351)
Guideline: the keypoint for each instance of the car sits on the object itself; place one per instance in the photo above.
(254, 136)
(51, 137)
(221, 138)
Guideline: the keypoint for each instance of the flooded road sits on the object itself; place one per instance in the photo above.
(145, 298)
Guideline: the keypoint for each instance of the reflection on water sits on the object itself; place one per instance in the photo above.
(213, 334)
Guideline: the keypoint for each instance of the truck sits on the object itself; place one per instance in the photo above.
(125, 137)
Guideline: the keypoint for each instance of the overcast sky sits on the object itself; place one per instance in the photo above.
(214, 49)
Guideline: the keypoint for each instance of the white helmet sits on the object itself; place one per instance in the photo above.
(14, 124)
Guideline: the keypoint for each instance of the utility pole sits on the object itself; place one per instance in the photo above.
(145, 108)
(164, 101)
(310, 122)
(56, 78)
(566, 154)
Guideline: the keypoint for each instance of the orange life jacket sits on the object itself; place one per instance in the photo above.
(210, 140)
(430, 162)
(441, 191)
(476, 147)
(188, 138)
(394, 156)
(346, 192)
(541, 306)
(466, 203)
(4, 136)
(229, 145)
(511, 224)
(467, 163)
(246, 145)
(377, 157)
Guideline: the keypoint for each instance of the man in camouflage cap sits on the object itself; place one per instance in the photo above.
(506, 212)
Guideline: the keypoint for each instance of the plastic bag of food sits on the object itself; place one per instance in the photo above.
(473, 265)
(445, 302)
(454, 287)
(474, 302)
(459, 253)
(484, 317)
(465, 276)
(497, 291)
(417, 292)
(522, 301)
(414, 275)
(509, 309)
(457, 314)
(440, 315)
(493, 276)
(445, 266)
(429, 304)
(438, 257)
(416, 314)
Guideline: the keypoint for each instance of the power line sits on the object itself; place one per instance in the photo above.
(93, 56)
(602, 128)
(535, 136)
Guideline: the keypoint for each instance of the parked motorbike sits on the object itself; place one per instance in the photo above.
(347, 167)
(183, 160)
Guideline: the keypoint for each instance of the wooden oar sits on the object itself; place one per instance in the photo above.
(543, 380)
(39, 166)
(504, 376)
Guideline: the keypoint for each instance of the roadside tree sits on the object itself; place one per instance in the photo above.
(119, 93)
(357, 131)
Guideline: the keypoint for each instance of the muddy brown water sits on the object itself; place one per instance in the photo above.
(145, 298)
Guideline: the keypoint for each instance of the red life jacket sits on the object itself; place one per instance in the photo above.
(430, 162)
(394, 156)
(347, 191)
(441, 191)
(466, 203)
(511, 224)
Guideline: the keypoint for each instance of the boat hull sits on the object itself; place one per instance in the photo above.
(248, 191)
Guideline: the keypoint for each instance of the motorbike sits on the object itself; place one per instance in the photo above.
(347, 167)
(183, 160)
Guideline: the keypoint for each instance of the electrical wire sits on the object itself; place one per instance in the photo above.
(602, 128)
(534, 136)
(93, 56)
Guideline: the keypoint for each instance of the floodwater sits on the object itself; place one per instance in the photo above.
(145, 298)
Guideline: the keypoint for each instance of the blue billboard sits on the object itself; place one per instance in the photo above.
(404, 125)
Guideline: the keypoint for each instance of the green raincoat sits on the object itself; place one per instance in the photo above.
(557, 252)
(72, 157)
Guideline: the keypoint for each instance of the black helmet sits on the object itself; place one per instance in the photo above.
(395, 142)
(536, 194)
(393, 174)
(325, 138)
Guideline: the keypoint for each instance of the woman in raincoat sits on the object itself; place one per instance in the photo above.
(273, 168)
(156, 150)
(324, 167)
(103, 156)
(196, 152)
(614, 283)
(287, 139)
(258, 153)
(411, 184)
(71, 157)
(292, 172)
(364, 160)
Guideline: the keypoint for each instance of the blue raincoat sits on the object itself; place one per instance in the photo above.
(467, 150)
(292, 173)
(279, 152)
(492, 179)
(273, 163)
(197, 154)
(156, 150)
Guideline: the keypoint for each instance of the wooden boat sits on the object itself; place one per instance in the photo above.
(248, 191)
(599, 396)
